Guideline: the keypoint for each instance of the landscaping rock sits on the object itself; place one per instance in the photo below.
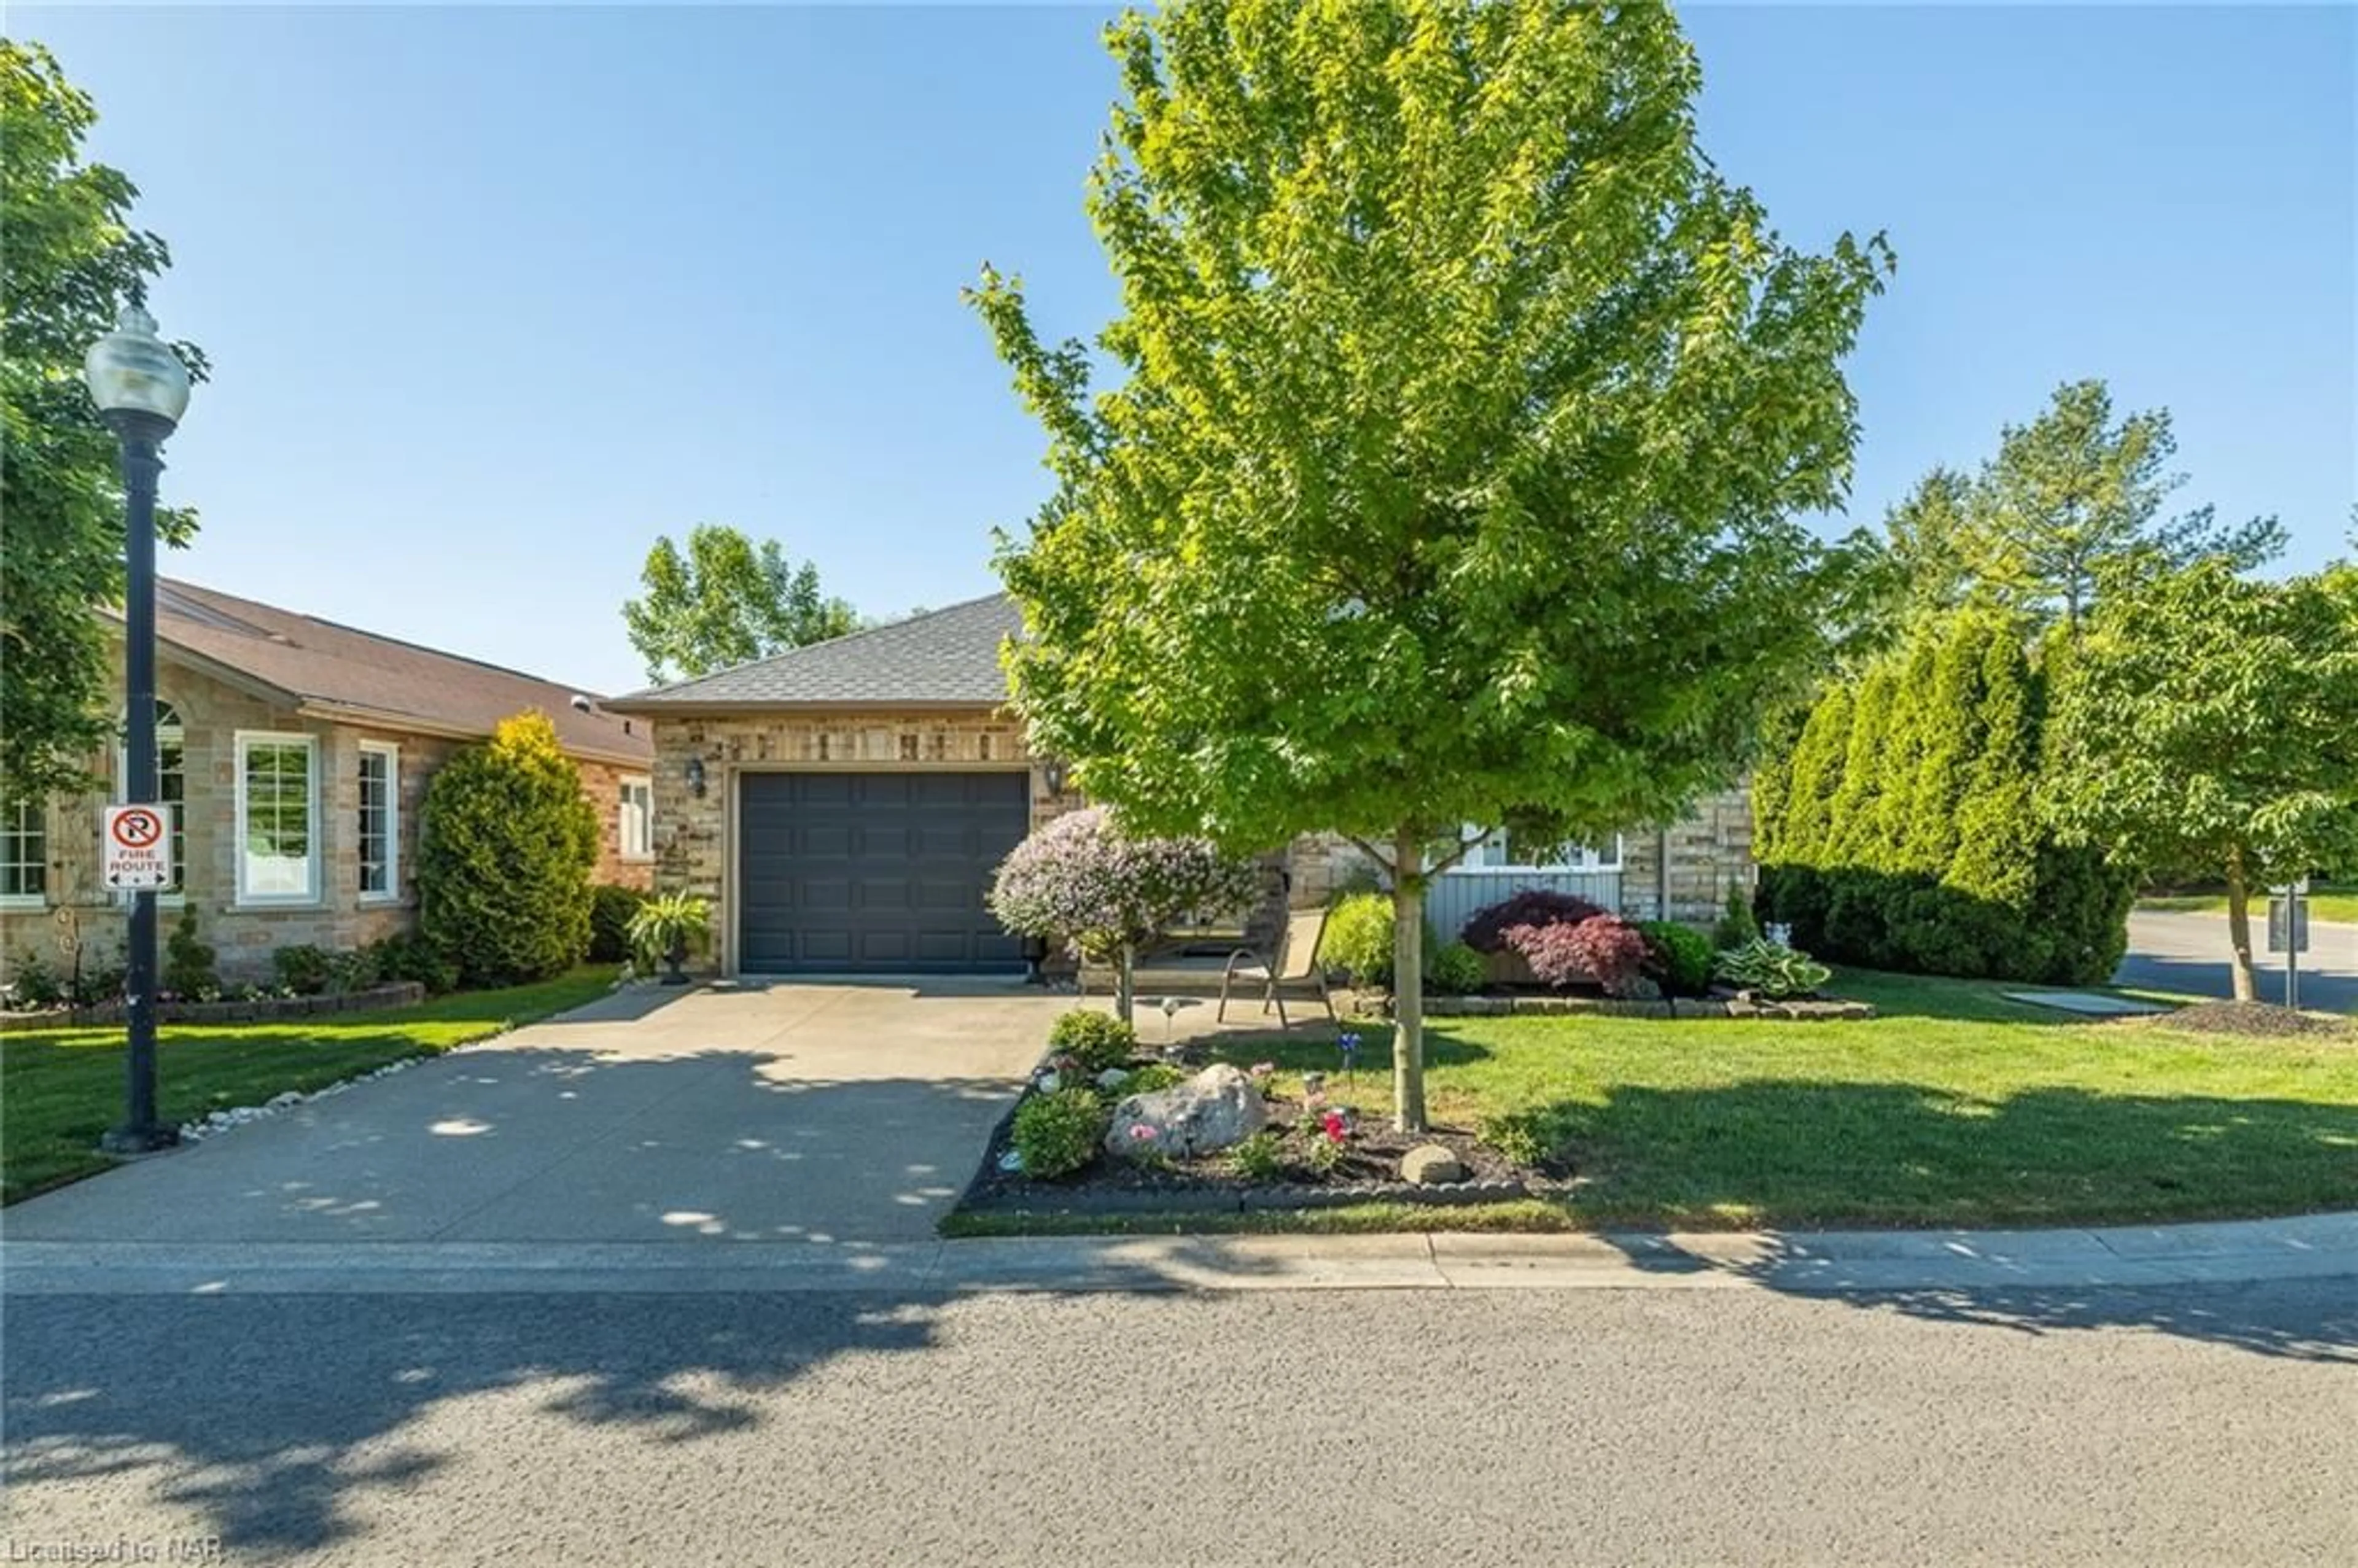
(1113, 1078)
(1218, 1107)
(1430, 1164)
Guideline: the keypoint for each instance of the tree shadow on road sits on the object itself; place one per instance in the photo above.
(2301, 1320)
(277, 1418)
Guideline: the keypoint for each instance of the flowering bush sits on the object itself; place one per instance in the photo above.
(1080, 878)
(1488, 931)
(1324, 1154)
(1604, 948)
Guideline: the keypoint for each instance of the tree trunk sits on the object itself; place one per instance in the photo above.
(1125, 982)
(2239, 927)
(1407, 982)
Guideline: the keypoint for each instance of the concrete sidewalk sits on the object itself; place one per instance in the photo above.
(1830, 1262)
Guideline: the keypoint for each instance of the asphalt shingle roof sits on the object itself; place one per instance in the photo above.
(345, 669)
(946, 657)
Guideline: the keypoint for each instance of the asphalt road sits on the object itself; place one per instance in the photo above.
(2189, 952)
(2210, 1426)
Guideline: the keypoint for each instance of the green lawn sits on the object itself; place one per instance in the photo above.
(61, 1088)
(2327, 901)
(1955, 1106)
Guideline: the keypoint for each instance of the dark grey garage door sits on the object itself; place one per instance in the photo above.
(844, 873)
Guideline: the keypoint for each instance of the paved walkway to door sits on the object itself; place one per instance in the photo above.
(804, 1112)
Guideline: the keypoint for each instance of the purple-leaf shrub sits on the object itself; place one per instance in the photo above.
(1487, 932)
(1604, 948)
(1080, 878)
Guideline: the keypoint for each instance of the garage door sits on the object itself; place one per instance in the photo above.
(882, 872)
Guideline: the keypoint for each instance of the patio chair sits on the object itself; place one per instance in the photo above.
(1296, 962)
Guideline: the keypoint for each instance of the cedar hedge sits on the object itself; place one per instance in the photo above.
(1900, 830)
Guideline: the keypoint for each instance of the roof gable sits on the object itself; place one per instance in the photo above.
(944, 658)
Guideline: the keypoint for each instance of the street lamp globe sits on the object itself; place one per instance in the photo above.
(134, 377)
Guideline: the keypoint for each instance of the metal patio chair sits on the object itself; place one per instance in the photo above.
(1296, 962)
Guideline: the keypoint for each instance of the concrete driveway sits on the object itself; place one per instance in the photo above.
(807, 1112)
(2189, 952)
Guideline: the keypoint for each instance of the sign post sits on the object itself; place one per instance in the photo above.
(2289, 932)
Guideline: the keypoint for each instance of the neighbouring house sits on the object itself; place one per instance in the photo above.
(297, 752)
(843, 805)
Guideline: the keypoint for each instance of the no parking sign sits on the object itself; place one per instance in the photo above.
(138, 843)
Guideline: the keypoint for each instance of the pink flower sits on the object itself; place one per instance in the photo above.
(1140, 1132)
(1333, 1125)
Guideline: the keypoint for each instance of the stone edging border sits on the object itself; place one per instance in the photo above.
(261, 1010)
(1376, 1004)
(1290, 1195)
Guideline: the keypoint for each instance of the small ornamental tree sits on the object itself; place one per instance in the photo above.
(1463, 420)
(2209, 721)
(1081, 879)
(506, 846)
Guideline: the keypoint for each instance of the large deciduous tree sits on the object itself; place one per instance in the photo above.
(74, 258)
(726, 601)
(1463, 417)
(2207, 720)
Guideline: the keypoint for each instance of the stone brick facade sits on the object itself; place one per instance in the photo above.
(1709, 850)
(76, 916)
(692, 830)
(693, 843)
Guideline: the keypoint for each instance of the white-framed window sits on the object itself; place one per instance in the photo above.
(24, 854)
(1497, 852)
(377, 832)
(637, 816)
(277, 817)
(172, 787)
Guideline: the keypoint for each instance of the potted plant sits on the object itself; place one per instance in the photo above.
(665, 927)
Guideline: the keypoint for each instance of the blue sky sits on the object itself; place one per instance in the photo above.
(496, 295)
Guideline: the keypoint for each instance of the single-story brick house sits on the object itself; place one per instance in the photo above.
(297, 753)
(842, 806)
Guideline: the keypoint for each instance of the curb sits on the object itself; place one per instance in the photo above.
(2309, 1246)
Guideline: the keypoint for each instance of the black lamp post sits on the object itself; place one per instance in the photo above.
(141, 389)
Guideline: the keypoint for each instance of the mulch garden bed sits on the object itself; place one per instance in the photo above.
(1520, 1000)
(2248, 1018)
(1367, 1172)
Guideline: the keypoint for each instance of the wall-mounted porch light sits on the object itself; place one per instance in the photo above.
(696, 777)
(1051, 776)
